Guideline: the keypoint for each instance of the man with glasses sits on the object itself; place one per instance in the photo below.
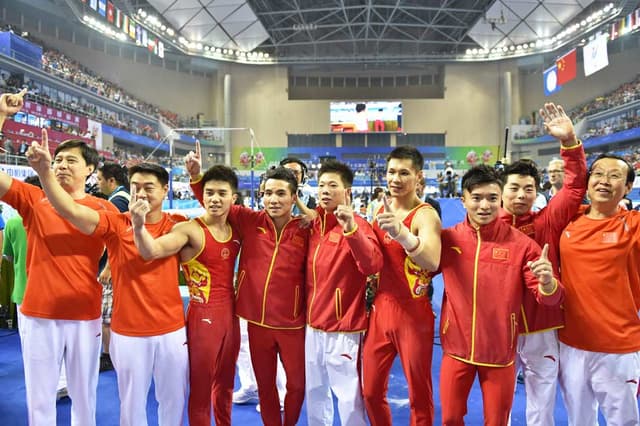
(600, 342)
(555, 169)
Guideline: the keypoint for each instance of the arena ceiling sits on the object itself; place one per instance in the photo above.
(351, 31)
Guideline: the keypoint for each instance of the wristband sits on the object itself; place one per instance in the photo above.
(555, 287)
(406, 239)
(416, 250)
(353, 231)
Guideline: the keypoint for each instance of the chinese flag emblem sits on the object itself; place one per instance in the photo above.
(567, 67)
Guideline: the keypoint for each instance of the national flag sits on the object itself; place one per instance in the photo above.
(613, 33)
(550, 81)
(595, 55)
(637, 13)
(132, 29)
(567, 67)
(118, 18)
(160, 49)
(145, 39)
(110, 16)
(102, 7)
(93, 4)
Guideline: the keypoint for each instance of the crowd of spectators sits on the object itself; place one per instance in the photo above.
(626, 93)
(60, 65)
(623, 121)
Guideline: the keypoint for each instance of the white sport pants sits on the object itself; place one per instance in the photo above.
(46, 345)
(331, 361)
(592, 379)
(139, 359)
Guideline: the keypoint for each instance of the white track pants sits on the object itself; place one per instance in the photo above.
(139, 359)
(332, 361)
(539, 358)
(592, 379)
(46, 345)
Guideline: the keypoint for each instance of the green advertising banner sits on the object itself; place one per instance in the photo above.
(464, 157)
(263, 157)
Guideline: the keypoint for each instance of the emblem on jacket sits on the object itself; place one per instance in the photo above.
(500, 253)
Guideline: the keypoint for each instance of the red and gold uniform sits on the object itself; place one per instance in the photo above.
(401, 323)
(538, 348)
(485, 274)
(213, 331)
(270, 296)
(338, 265)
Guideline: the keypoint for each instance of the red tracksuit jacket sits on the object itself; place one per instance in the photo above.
(270, 284)
(545, 227)
(337, 270)
(270, 290)
(485, 272)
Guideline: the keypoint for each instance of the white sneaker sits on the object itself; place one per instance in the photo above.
(281, 407)
(245, 396)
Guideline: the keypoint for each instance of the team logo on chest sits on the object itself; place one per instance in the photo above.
(500, 253)
(225, 253)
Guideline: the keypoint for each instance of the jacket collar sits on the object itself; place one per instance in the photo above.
(514, 220)
(488, 231)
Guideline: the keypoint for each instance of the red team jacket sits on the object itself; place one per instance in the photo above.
(545, 227)
(270, 284)
(270, 290)
(485, 272)
(337, 270)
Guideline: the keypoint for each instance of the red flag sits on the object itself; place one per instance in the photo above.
(567, 67)
(110, 12)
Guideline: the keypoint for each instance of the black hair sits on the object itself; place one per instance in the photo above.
(89, 153)
(221, 173)
(33, 180)
(335, 166)
(289, 160)
(406, 152)
(631, 174)
(152, 169)
(480, 175)
(114, 170)
(282, 173)
(360, 107)
(521, 168)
